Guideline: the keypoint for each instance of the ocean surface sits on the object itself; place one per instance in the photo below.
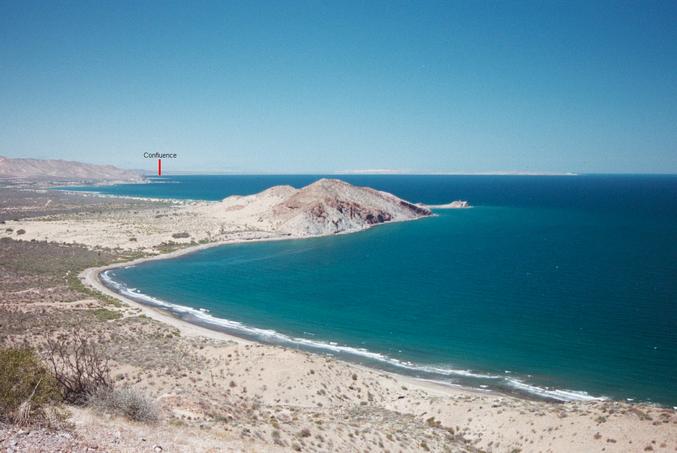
(558, 287)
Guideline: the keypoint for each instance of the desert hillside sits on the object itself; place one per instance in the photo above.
(63, 170)
(324, 207)
(327, 206)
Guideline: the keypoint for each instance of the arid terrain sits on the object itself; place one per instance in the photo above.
(213, 392)
(62, 170)
(324, 207)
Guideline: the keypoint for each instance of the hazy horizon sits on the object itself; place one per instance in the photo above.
(152, 169)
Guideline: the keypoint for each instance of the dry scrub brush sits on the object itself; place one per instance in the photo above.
(78, 365)
(125, 401)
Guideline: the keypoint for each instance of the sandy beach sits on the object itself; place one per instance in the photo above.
(489, 421)
(219, 392)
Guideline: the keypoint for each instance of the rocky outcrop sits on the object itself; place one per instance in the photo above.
(39, 169)
(327, 206)
(453, 205)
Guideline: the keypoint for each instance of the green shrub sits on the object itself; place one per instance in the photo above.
(22, 231)
(180, 235)
(76, 285)
(104, 314)
(26, 386)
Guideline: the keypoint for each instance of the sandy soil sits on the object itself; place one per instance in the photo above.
(281, 377)
(221, 393)
(324, 207)
(146, 230)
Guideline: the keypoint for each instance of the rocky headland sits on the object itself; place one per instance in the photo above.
(325, 207)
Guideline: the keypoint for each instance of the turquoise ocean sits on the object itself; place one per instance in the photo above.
(559, 287)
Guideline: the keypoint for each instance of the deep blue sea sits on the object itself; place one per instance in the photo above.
(563, 287)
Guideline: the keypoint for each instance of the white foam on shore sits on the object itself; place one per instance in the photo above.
(556, 394)
(273, 336)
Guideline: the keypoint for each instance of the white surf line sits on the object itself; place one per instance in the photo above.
(92, 276)
(557, 394)
(274, 337)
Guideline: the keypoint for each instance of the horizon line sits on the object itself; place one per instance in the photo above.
(342, 173)
(339, 174)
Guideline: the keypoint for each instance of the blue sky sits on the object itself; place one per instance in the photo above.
(316, 86)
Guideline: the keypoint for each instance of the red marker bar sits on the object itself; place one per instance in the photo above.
(159, 167)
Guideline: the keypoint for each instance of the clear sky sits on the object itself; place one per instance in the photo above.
(281, 86)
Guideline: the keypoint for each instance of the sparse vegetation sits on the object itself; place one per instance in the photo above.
(48, 258)
(75, 284)
(124, 401)
(168, 247)
(104, 314)
(26, 386)
(78, 366)
(20, 231)
(180, 235)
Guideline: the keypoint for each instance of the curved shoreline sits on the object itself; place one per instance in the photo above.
(91, 278)
(210, 328)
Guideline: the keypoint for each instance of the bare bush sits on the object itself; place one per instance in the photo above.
(78, 365)
(125, 401)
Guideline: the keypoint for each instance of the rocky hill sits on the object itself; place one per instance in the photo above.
(39, 169)
(327, 206)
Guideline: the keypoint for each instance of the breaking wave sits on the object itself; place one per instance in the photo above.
(426, 372)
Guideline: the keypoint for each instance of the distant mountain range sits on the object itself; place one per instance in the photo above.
(39, 169)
